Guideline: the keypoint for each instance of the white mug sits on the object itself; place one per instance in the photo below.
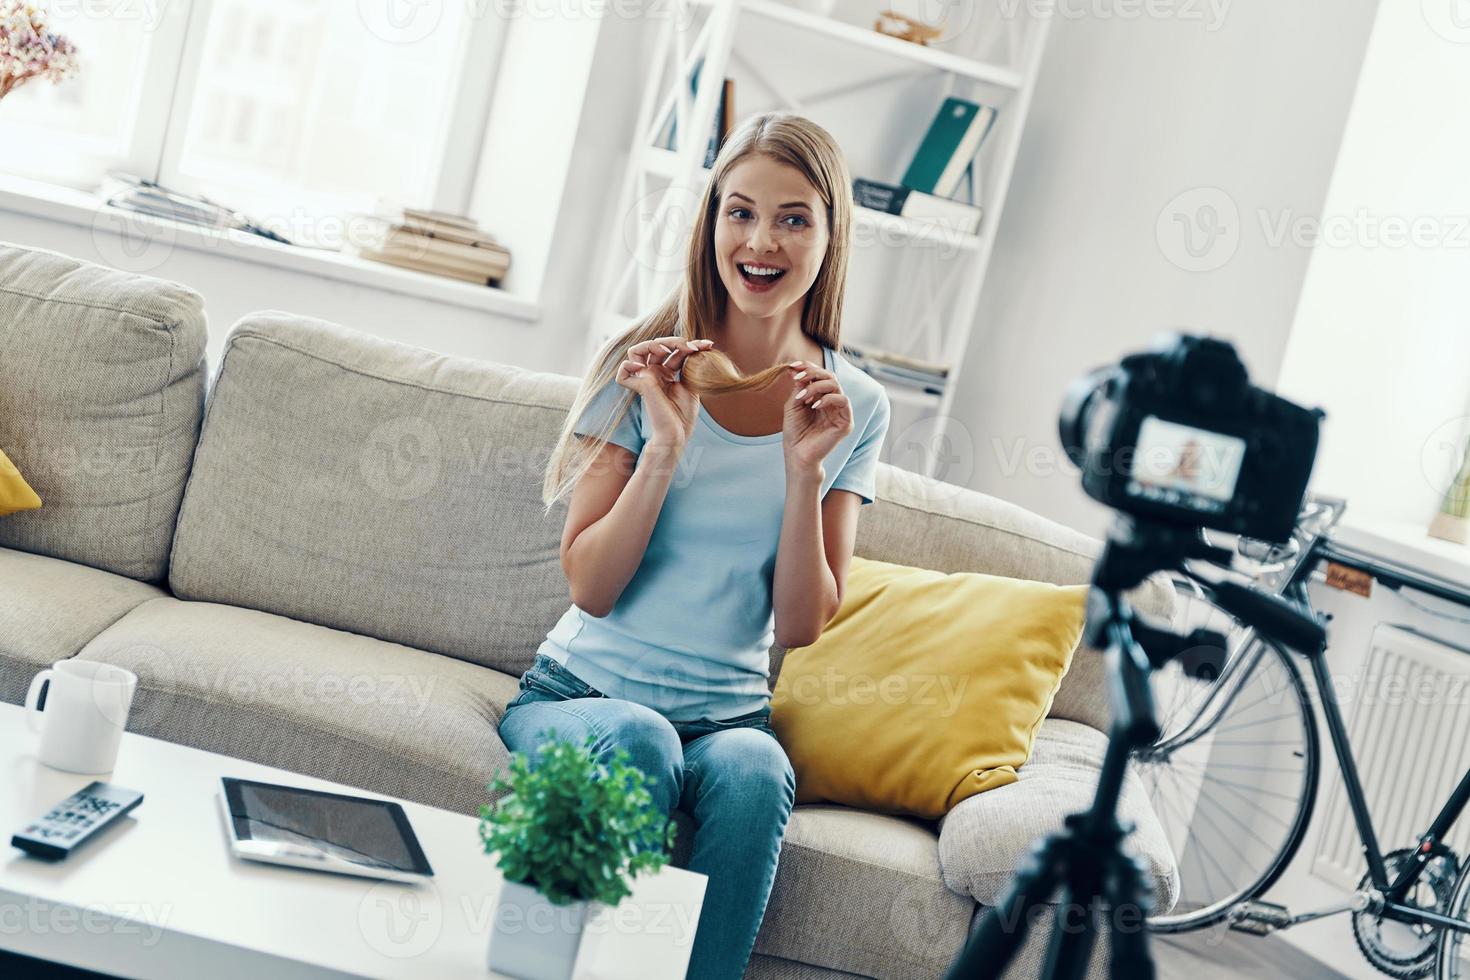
(86, 712)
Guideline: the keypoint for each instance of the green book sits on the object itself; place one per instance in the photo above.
(953, 139)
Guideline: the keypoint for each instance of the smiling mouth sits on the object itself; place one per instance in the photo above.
(759, 276)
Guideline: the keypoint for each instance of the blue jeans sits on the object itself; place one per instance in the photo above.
(731, 776)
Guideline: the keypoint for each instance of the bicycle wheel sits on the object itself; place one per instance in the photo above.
(1233, 777)
(1453, 960)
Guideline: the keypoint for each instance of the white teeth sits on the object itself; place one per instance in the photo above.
(761, 270)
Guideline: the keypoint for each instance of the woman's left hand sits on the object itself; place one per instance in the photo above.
(817, 417)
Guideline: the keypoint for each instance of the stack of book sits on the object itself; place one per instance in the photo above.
(948, 151)
(943, 166)
(433, 242)
(947, 215)
(898, 369)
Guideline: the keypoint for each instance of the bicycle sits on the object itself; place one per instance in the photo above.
(1236, 770)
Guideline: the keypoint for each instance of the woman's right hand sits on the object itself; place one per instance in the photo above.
(669, 405)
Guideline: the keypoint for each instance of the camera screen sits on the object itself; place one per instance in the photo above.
(1181, 466)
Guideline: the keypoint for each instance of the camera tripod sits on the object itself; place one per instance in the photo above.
(1085, 862)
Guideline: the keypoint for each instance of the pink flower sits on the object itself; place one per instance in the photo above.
(29, 48)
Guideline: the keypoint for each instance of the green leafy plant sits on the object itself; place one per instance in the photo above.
(572, 827)
(1457, 497)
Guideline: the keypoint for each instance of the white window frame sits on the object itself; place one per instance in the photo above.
(84, 168)
(171, 68)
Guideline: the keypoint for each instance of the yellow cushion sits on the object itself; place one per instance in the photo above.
(15, 493)
(925, 689)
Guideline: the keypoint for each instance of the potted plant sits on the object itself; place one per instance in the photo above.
(29, 48)
(569, 835)
(1452, 523)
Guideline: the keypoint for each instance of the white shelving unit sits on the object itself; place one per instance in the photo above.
(913, 286)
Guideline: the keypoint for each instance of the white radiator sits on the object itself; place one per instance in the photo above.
(1408, 719)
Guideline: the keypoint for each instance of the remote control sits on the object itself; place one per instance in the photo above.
(76, 820)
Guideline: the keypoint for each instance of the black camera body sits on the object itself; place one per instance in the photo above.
(1180, 436)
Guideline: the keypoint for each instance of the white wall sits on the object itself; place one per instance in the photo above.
(1382, 341)
(1382, 338)
(1128, 114)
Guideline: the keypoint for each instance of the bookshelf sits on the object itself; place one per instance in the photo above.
(914, 285)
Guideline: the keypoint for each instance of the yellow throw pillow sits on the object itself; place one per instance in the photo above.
(925, 689)
(15, 493)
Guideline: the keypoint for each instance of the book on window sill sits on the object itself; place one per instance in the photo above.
(408, 241)
(414, 251)
(369, 229)
(955, 216)
(479, 261)
(868, 354)
(433, 224)
(431, 218)
(478, 276)
(430, 263)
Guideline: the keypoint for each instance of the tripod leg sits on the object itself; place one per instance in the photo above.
(1129, 896)
(990, 950)
(1102, 881)
(1075, 933)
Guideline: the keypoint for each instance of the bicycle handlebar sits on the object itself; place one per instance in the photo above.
(1271, 615)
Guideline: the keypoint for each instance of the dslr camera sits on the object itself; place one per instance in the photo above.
(1178, 435)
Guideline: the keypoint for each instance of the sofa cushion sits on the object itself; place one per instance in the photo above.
(923, 522)
(862, 893)
(943, 679)
(317, 701)
(374, 487)
(51, 609)
(101, 393)
(982, 840)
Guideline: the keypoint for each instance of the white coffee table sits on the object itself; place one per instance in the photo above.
(160, 895)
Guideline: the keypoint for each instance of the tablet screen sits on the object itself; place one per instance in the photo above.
(371, 833)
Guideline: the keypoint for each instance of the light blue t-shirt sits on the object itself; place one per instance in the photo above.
(691, 632)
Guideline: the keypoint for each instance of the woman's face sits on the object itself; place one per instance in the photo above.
(770, 235)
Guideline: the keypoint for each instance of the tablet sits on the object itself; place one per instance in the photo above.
(306, 828)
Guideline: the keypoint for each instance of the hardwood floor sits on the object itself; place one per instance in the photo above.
(1213, 955)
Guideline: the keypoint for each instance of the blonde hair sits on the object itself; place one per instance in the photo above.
(699, 301)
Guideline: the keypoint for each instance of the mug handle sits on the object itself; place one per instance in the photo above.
(33, 699)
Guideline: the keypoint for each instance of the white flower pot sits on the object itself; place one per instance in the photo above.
(1448, 527)
(533, 939)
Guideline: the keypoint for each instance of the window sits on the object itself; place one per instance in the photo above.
(73, 131)
(283, 110)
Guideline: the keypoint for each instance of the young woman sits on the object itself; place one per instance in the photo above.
(714, 500)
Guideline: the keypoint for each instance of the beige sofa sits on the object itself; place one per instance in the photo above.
(341, 565)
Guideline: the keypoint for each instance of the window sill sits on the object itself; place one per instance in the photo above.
(57, 203)
(1409, 544)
